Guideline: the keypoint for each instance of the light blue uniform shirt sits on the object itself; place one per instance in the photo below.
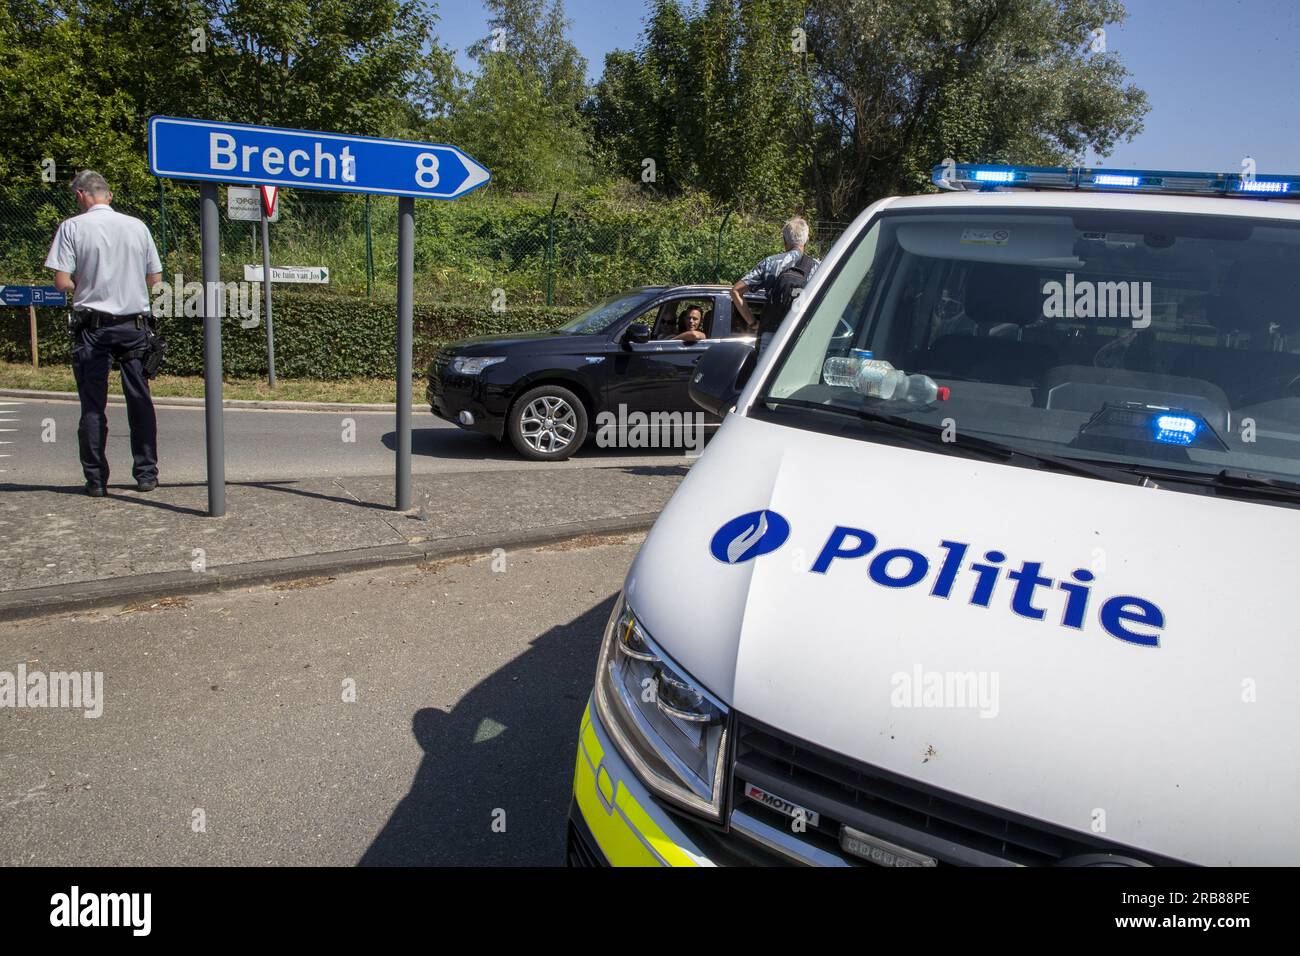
(108, 255)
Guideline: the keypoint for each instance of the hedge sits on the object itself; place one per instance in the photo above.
(316, 336)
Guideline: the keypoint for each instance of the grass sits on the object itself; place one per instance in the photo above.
(58, 378)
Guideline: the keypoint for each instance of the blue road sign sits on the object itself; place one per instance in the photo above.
(264, 155)
(31, 295)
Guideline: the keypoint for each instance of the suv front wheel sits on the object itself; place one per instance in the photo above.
(547, 423)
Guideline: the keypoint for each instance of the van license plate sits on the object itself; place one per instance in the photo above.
(880, 852)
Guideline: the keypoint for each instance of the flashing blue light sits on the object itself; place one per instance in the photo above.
(964, 176)
(1272, 186)
(1112, 179)
(1176, 429)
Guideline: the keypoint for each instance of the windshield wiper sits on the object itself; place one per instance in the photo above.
(1232, 481)
(936, 435)
(1235, 478)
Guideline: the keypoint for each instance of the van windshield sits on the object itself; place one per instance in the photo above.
(1165, 343)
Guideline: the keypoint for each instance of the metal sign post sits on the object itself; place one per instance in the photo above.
(405, 310)
(268, 210)
(210, 234)
(266, 156)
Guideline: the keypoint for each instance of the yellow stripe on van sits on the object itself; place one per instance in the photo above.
(617, 840)
(627, 835)
(669, 851)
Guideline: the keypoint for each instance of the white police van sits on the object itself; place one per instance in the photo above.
(994, 561)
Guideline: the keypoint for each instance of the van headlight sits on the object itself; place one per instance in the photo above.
(672, 730)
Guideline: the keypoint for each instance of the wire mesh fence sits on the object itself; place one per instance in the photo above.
(542, 250)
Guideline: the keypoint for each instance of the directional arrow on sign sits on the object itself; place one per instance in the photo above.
(269, 194)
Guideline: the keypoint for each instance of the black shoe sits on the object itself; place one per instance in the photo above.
(147, 484)
(94, 490)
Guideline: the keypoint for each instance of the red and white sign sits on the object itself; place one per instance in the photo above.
(269, 195)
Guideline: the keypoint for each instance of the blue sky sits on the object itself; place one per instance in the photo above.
(1222, 75)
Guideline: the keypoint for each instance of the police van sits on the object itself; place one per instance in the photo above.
(993, 560)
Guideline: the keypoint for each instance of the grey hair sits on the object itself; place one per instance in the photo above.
(90, 182)
(795, 233)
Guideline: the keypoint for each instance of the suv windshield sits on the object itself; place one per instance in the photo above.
(604, 314)
(1167, 344)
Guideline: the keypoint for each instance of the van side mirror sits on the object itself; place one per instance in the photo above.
(720, 375)
(637, 334)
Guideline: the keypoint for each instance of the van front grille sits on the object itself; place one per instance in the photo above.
(950, 829)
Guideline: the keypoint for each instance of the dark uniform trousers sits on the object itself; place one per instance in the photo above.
(92, 354)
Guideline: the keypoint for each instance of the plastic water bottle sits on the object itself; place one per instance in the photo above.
(842, 370)
(920, 390)
(878, 379)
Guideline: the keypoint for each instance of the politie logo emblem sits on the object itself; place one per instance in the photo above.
(748, 536)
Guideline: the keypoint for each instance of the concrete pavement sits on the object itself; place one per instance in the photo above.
(64, 550)
(386, 717)
(307, 493)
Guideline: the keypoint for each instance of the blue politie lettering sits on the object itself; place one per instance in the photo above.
(1128, 618)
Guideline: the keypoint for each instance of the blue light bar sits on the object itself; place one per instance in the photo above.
(1114, 179)
(1272, 186)
(1176, 429)
(990, 177)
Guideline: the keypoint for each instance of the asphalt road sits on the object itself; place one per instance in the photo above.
(265, 445)
(226, 738)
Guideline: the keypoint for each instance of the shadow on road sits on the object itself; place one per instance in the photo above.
(474, 446)
(340, 499)
(454, 443)
(510, 744)
(123, 492)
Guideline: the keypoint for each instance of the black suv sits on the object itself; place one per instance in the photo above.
(545, 389)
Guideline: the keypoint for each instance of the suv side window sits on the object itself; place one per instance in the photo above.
(738, 327)
(663, 318)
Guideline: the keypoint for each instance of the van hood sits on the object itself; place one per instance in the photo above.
(1156, 705)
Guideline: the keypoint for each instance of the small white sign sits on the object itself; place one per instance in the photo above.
(985, 237)
(244, 203)
(315, 274)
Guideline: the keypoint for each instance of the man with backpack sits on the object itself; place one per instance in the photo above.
(781, 277)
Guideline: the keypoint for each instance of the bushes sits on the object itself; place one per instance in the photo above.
(317, 336)
(600, 241)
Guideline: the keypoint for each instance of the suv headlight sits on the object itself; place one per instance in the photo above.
(670, 729)
(472, 365)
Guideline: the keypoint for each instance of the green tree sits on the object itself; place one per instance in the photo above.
(716, 96)
(81, 77)
(902, 85)
(723, 99)
(520, 116)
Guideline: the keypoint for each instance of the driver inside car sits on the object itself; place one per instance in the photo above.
(690, 325)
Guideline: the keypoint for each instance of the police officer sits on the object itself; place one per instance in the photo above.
(107, 262)
(763, 278)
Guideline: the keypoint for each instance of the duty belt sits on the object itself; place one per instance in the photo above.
(94, 319)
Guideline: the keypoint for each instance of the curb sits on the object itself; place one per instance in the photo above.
(86, 595)
(165, 401)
